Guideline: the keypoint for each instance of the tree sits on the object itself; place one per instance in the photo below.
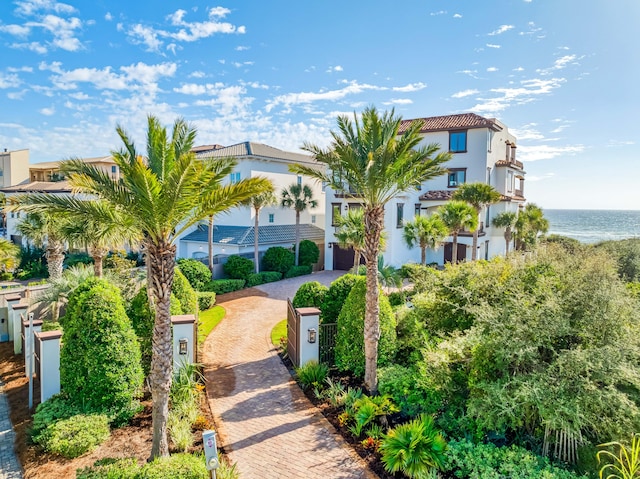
(8, 255)
(426, 232)
(477, 195)
(299, 198)
(529, 225)
(350, 233)
(458, 216)
(257, 202)
(506, 220)
(369, 157)
(45, 230)
(165, 193)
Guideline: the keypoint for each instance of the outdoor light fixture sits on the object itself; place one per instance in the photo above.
(312, 335)
(182, 346)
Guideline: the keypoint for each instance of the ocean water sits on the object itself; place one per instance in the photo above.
(592, 226)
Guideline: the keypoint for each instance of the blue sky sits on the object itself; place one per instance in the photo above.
(561, 74)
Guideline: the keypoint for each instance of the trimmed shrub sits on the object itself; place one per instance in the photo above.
(310, 294)
(196, 272)
(77, 435)
(336, 296)
(278, 259)
(100, 356)
(350, 335)
(309, 253)
(55, 408)
(206, 300)
(297, 271)
(110, 468)
(238, 267)
(184, 293)
(221, 286)
(255, 279)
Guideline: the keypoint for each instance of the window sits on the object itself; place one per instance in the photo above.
(271, 217)
(354, 206)
(114, 169)
(335, 213)
(457, 177)
(235, 177)
(458, 141)
(509, 182)
(299, 180)
(313, 219)
(416, 209)
(13, 215)
(400, 215)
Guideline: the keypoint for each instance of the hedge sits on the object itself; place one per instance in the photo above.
(256, 279)
(206, 300)
(310, 294)
(278, 259)
(309, 253)
(298, 271)
(221, 286)
(336, 296)
(76, 436)
(238, 267)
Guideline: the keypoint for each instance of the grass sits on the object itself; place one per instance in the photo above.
(209, 319)
(279, 331)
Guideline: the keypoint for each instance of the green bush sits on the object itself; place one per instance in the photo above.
(206, 300)
(311, 294)
(349, 352)
(72, 259)
(297, 271)
(312, 374)
(196, 272)
(336, 296)
(238, 267)
(397, 298)
(32, 263)
(626, 253)
(118, 260)
(221, 286)
(278, 259)
(184, 293)
(6, 276)
(54, 409)
(176, 466)
(309, 253)
(110, 468)
(408, 391)
(77, 435)
(100, 356)
(255, 279)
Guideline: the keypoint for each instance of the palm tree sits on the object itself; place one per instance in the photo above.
(529, 225)
(458, 216)
(164, 194)
(506, 220)
(299, 198)
(210, 243)
(477, 195)
(45, 230)
(388, 276)
(8, 255)
(257, 202)
(370, 158)
(350, 233)
(426, 232)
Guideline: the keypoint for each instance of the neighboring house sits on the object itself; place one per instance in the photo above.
(233, 231)
(483, 151)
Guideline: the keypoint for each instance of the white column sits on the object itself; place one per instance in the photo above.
(18, 310)
(309, 335)
(29, 366)
(184, 338)
(12, 300)
(49, 356)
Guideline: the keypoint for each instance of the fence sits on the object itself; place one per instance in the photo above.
(293, 330)
(328, 343)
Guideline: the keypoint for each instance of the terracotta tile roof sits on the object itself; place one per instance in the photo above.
(249, 148)
(437, 195)
(513, 164)
(40, 187)
(452, 122)
(512, 198)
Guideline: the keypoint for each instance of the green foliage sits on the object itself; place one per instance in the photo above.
(312, 374)
(309, 253)
(176, 466)
(623, 465)
(196, 272)
(109, 468)
(6, 276)
(72, 259)
(206, 300)
(297, 271)
(76, 436)
(486, 461)
(416, 449)
(184, 293)
(278, 259)
(311, 294)
(396, 298)
(119, 261)
(238, 267)
(336, 296)
(569, 244)
(366, 409)
(412, 393)
(255, 279)
(185, 405)
(100, 357)
(54, 409)
(626, 253)
(32, 263)
(349, 350)
(221, 286)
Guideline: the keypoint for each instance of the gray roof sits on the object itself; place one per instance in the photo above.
(267, 234)
(256, 150)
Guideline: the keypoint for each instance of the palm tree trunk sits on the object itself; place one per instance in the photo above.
(98, 255)
(474, 251)
(161, 264)
(454, 248)
(356, 259)
(423, 254)
(297, 236)
(210, 243)
(256, 256)
(374, 223)
(55, 258)
(507, 238)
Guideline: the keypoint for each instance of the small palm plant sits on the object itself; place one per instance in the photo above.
(416, 449)
(626, 465)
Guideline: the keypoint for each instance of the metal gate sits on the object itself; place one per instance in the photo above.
(293, 330)
(328, 343)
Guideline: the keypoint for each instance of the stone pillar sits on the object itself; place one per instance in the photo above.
(19, 310)
(49, 361)
(184, 338)
(29, 366)
(309, 335)
(12, 300)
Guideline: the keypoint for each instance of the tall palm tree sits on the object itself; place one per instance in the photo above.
(257, 202)
(506, 220)
(477, 195)
(44, 229)
(164, 194)
(351, 234)
(426, 232)
(369, 157)
(458, 216)
(529, 225)
(300, 198)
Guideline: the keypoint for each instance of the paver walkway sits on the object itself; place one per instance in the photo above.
(9, 465)
(265, 423)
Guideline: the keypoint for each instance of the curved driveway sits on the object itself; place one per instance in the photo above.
(265, 423)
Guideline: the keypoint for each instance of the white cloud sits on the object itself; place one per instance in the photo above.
(542, 177)
(518, 69)
(398, 101)
(439, 12)
(471, 73)
(31, 7)
(9, 81)
(527, 132)
(525, 93)
(33, 46)
(617, 143)
(558, 64)
(337, 68)
(492, 69)
(108, 17)
(532, 30)
(16, 95)
(410, 87)
(501, 29)
(457, 15)
(546, 152)
(464, 93)
(48, 111)
(493, 45)
(242, 48)
(21, 31)
(20, 69)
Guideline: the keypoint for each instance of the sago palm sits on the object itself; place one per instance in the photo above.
(458, 216)
(506, 220)
(477, 195)
(300, 198)
(44, 229)
(426, 232)
(369, 157)
(257, 202)
(164, 194)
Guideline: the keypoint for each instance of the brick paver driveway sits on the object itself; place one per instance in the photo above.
(265, 423)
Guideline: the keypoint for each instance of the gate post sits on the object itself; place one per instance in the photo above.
(49, 361)
(184, 338)
(29, 343)
(12, 300)
(309, 335)
(18, 310)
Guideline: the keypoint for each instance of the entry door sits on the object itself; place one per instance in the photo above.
(448, 249)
